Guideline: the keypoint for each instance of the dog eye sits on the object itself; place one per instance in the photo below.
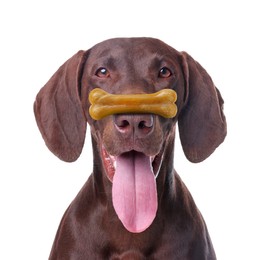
(102, 73)
(164, 73)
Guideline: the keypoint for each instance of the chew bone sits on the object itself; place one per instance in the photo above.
(104, 104)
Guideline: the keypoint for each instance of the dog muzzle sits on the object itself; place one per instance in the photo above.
(104, 104)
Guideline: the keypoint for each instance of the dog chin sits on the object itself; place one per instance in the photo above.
(110, 162)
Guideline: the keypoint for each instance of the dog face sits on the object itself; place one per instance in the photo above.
(128, 66)
(132, 66)
(131, 143)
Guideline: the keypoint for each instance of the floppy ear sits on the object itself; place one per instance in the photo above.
(58, 110)
(202, 124)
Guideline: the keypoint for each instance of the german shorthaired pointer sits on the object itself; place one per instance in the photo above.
(134, 205)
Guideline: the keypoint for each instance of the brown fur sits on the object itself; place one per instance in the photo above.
(90, 228)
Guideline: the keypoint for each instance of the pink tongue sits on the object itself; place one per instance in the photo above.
(134, 191)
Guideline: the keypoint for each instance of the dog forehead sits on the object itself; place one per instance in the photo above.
(130, 46)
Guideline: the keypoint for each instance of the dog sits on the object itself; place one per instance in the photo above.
(134, 205)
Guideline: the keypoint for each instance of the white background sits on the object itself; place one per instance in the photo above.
(229, 39)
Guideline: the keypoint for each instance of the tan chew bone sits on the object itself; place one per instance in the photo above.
(104, 104)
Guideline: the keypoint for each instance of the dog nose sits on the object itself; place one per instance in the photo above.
(140, 125)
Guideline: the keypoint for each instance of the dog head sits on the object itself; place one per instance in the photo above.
(131, 66)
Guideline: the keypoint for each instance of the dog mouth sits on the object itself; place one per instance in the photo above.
(134, 194)
(110, 162)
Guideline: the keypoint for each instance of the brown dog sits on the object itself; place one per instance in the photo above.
(134, 205)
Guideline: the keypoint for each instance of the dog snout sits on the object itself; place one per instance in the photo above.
(138, 125)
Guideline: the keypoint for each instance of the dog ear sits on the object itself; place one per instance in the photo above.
(58, 110)
(202, 124)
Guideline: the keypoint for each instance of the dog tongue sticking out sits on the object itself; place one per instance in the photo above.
(134, 191)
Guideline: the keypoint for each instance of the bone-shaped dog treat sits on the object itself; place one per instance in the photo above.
(104, 104)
